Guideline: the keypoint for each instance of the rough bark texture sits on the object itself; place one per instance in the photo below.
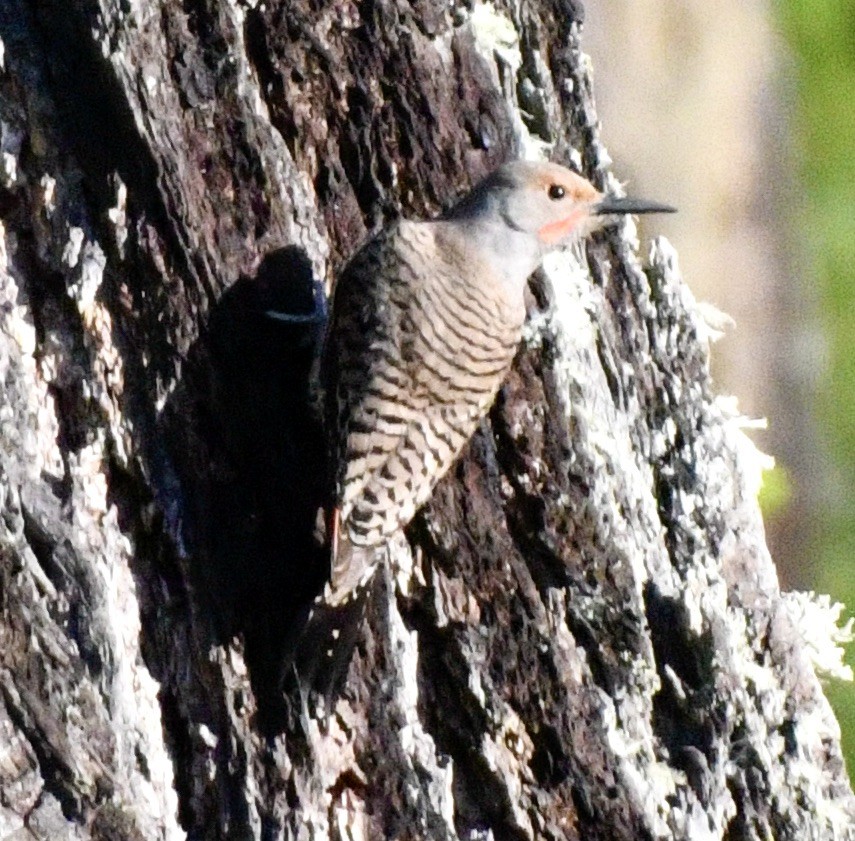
(581, 636)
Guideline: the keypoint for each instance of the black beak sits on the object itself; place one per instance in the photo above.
(616, 204)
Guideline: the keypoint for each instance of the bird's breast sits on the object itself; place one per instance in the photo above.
(463, 333)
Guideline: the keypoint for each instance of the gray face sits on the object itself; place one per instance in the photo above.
(546, 201)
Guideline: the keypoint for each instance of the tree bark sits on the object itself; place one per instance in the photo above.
(581, 636)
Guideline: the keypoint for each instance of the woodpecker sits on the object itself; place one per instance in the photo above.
(426, 320)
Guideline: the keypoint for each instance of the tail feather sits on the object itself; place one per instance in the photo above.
(326, 645)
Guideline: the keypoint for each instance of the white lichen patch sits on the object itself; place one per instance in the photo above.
(716, 321)
(813, 730)
(496, 34)
(818, 620)
(705, 596)
(627, 517)
(752, 460)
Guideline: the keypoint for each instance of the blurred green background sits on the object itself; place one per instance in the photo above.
(743, 116)
(821, 37)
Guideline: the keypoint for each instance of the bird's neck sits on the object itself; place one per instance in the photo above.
(508, 256)
(511, 253)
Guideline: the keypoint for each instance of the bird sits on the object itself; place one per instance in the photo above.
(425, 322)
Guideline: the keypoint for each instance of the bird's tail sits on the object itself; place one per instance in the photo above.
(326, 645)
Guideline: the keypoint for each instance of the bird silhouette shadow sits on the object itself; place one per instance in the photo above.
(253, 545)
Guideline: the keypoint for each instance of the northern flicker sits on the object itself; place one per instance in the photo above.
(426, 320)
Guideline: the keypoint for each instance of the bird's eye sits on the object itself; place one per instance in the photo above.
(556, 192)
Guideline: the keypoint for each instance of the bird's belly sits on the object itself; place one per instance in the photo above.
(457, 400)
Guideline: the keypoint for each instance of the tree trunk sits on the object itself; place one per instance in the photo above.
(581, 636)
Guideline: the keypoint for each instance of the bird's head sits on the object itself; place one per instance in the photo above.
(548, 202)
